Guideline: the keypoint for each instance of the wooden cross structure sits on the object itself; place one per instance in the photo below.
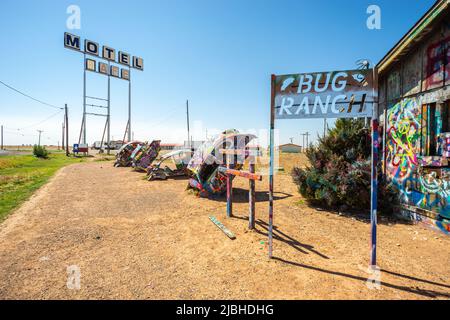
(251, 175)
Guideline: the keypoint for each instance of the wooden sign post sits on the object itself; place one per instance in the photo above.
(250, 175)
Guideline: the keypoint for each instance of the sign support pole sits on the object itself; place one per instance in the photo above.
(84, 98)
(129, 104)
(374, 180)
(271, 164)
(108, 150)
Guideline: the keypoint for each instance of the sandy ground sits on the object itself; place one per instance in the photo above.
(134, 239)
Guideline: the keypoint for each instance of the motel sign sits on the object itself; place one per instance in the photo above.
(107, 53)
(106, 61)
(336, 94)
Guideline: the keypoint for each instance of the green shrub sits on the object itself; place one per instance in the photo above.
(340, 170)
(40, 152)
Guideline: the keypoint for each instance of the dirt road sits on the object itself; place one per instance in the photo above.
(134, 239)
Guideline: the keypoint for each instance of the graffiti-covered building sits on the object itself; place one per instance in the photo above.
(414, 98)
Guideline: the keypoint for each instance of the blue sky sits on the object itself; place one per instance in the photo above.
(218, 54)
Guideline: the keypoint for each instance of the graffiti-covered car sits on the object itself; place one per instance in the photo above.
(143, 156)
(203, 167)
(180, 158)
(123, 156)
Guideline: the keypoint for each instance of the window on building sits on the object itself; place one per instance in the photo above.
(435, 120)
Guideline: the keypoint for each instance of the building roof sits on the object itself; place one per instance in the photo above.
(414, 35)
(289, 144)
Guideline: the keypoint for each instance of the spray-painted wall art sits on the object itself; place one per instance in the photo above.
(437, 67)
(422, 181)
(414, 94)
(403, 142)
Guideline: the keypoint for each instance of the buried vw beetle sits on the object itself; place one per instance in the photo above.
(143, 156)
(180, 158)
(204, 165)
(123, 156)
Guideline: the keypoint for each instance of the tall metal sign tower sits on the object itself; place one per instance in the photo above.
(108, 62)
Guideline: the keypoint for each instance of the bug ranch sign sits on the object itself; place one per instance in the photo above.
(336, 94)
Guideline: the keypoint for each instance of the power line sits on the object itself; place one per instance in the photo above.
(20, 134)
(163, 120)
(28, 96)
(38, 123)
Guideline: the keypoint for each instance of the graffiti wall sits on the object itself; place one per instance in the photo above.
(437, 67)
(403, 144)
(422, 181)
(423, 70)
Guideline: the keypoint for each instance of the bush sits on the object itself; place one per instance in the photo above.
(340, 170)
(40, 152)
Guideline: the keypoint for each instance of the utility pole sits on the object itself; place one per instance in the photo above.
(40, 132)
(307, 139)
(188, 131)
(64, 120)
(303, 141)
(66, 126)
(324, 127)
(2, 138)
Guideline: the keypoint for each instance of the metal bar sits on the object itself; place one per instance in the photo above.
(374, 182)
(129, 104)
(124, 134)
(108, 150)
(95, 98)
(271, 163)
(103, 135)
(95, 105)
(251, 198)
(84, 98)
(81, 129)
(96, 114)
(223, 228)
(239, 173)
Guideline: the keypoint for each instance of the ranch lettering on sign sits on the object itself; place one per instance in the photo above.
(336, 94)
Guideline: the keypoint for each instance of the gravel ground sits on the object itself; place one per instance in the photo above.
(134, 239)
